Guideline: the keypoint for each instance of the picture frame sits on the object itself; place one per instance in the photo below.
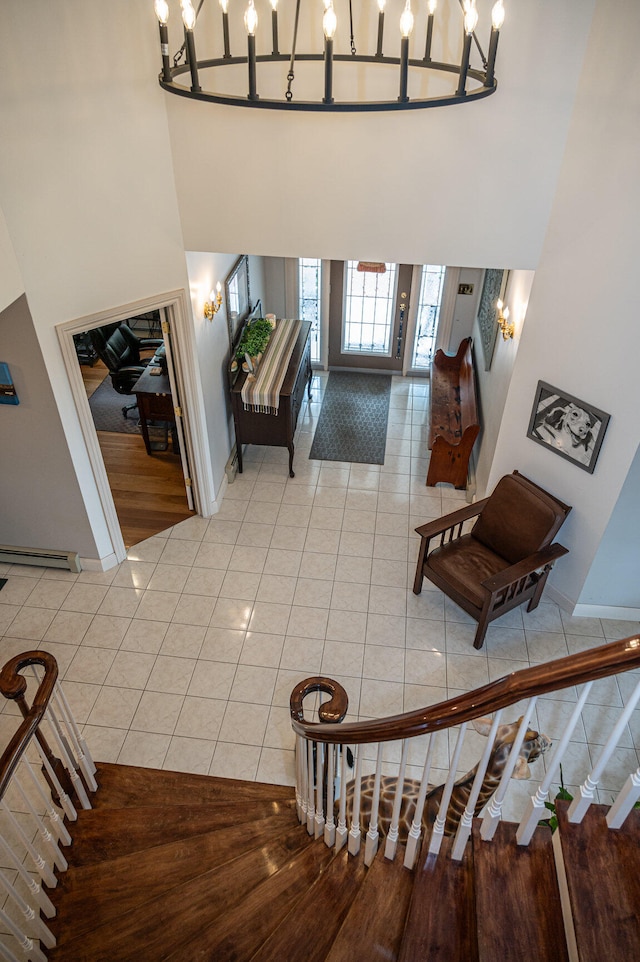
(494, 286)
(565, 424)
(237, 296)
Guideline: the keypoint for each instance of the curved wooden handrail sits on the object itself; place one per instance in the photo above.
(14, 685)
(577, 669)
(332, 711)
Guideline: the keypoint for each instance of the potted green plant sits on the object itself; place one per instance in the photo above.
(254, 340)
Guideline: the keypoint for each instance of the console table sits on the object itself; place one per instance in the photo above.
(276, 429)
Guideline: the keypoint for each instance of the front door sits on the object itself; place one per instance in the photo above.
(368, 315)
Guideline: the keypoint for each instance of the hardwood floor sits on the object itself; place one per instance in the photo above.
(148, 490)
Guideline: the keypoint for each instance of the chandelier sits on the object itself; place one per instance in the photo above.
(253, 82)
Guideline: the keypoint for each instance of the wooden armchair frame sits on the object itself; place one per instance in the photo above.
(508, 589)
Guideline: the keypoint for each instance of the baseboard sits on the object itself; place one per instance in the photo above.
(607, 611)
(552, 594)
(99, 564)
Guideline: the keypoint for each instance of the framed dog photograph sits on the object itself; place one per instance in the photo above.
(565, 424)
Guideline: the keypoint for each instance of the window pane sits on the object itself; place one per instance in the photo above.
(368, 316)
(431, 285)
(309, 276)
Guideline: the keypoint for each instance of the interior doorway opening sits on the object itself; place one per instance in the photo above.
(142, 456)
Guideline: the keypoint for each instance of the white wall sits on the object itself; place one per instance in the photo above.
(464, 309)
(493, 385)
(11, 286)
(581, 334)
(470, 184)
(613, 579)
(86, 179)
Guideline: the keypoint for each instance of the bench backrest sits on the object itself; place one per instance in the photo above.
(468, 404)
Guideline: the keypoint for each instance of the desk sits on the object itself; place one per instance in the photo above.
(276, 429)
(153, 394)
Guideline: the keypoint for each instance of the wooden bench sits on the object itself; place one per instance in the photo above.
(453, 418)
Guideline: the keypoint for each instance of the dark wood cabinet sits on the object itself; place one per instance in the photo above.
(276, 429)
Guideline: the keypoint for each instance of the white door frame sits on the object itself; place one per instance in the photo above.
(175, 305)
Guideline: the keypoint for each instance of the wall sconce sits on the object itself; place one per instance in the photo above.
(213, 306)
(508, 329)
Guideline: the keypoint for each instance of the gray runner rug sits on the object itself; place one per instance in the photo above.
(353, 418)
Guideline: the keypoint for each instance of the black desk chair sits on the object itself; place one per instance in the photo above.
(120, 349)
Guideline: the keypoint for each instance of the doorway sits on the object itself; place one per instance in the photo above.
(146, 475)
(178, 336)
(384, 317)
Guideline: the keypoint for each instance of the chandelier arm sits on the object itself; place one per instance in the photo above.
(290, 75)
(177, 57)
(476, 41)
(353, 46)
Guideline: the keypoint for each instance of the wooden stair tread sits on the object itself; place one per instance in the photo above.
(103, 834)
(518, 908)
(441, 921)
(156, 928)
(379, 909)
(239, 933)
(603, 877)
(120, 786)
(95, 894)
(309, 929)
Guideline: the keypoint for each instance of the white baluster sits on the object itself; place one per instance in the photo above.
(301, 770)
(341, 831)
(371, 843)
(416, 826)
(311, 811)
(43, 869)
(48, 841)
(66, 803)
(7, 954)
(581, 802)
(330, 823)
(464, 828)
(62, 746)
(40, 930)
(354, 831)
(535, 806)
(30, 949)
(627, 797)
(494, 808)
(392, 837)
(437, 833)
(84, 755)
(56, 822)
(319, 816)
(36, 890)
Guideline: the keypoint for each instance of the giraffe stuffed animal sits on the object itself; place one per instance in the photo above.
(533, 745)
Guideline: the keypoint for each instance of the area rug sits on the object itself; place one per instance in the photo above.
(353, 419)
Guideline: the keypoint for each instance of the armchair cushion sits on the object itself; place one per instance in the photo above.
(519, 519)
(464, 564)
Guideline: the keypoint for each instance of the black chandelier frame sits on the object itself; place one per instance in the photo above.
(485, 76)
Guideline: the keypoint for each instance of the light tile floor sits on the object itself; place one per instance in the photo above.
(183, 657)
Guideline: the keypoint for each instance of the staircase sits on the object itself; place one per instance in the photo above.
(184, 867)
(155, 866)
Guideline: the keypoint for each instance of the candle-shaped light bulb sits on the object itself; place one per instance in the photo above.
(274, 4)
(329, 22)
(470, 18)
(499, 305)
(224, 4)
(506, 313)
(251, 19)
(188, 15)
(406, 21)
(497, 15)
(381, 5)
(432, 6)
(161, 8)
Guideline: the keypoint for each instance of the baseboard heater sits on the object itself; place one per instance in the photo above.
(40, 556)
(231, 467)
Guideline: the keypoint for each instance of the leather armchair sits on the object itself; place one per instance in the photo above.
(120, 349)
(504, 560)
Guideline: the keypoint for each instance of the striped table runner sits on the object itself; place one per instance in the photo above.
(262, 392)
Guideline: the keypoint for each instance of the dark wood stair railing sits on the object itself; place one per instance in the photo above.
(173, 867)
